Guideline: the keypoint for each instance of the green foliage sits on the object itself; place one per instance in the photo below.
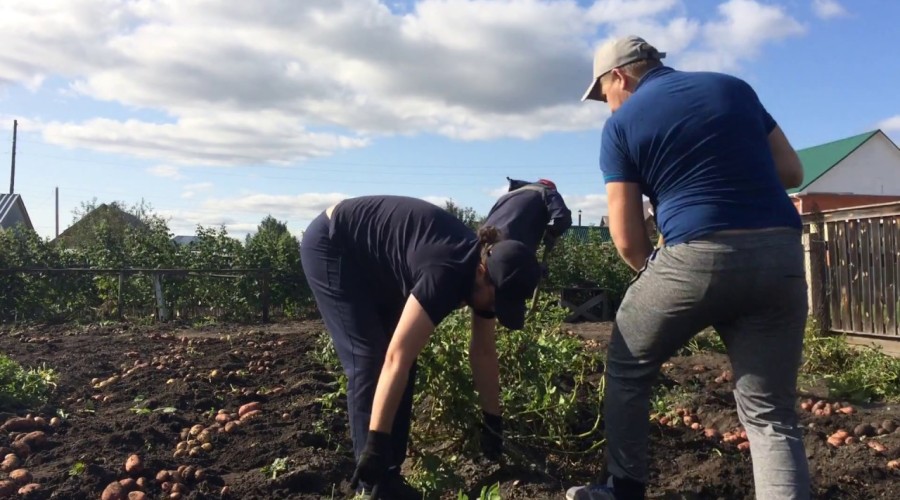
(855, 373)
(277, 467)
(24, 388)
(114, 236)
(550, 393)
(467, 215)
(487, 493)
(545, 388)
(594, 263)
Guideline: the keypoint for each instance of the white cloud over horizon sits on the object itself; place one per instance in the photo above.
(278, 81)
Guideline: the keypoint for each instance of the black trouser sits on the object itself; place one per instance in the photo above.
(361, 329)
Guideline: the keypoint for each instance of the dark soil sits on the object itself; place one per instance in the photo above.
(171, 387)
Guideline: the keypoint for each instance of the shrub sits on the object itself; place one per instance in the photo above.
(24, 388)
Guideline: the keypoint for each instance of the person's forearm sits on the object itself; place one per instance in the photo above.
(636, 255)
(485, 367)
(391, 386)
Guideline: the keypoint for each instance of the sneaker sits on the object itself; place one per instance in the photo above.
(592, 492)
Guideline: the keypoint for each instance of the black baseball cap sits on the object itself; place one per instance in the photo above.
(515, 272)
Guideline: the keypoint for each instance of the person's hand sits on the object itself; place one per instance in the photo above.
(491, 436)
(373, 462)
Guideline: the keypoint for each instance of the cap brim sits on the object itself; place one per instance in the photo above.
(594, 92)
(510, 312)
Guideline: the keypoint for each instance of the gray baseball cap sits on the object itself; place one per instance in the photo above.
(617, 53)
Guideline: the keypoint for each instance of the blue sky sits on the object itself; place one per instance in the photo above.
(224, 112)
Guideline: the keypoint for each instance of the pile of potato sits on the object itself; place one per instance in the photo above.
(822, 408)
(25, 436)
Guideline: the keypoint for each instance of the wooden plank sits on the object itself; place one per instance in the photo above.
(843, 265)
(889, 346)
(855, 276)
(891, 209)
(833, 285)
(892, 265)
(865, 273)
(877, 228)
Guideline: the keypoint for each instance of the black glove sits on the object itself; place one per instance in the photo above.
(550, 240)
(491, 436)
(373, 462)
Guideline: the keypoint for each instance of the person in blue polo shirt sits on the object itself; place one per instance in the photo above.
(531, 212)
(385, 270)
(715, 166)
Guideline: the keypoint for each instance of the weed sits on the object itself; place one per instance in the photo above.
(706, 341)
(487, 493)
(278, 466)
(854, 373)
(77, 469)
(21, 387)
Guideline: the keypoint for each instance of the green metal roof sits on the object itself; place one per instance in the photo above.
(820, 159)
(584, 234)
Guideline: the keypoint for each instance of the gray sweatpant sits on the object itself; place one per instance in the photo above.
(751, 288)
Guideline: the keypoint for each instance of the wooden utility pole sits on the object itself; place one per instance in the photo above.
(12, 174)
(57, 211)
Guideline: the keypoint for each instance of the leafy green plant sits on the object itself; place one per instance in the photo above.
(487, 493)
(277, 467)
(77, 469)
(24, 387)
(854, 373)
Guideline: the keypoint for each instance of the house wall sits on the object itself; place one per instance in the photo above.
(874, 168)
(815, 202)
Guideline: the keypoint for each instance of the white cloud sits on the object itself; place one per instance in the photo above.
(191, 190)
(891, 124)
(744, 27)
(166, 171)
(440, 201)
(498, 191)
(279, 81)
(827, 9)
(592, 206)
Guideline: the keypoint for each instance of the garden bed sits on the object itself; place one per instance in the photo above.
(125, 390)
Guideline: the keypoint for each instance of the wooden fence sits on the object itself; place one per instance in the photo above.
(854, 270)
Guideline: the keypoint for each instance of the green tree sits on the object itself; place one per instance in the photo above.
(467, 215)
(273, 247)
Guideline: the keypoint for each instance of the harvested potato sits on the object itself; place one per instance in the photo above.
(894, 465)
(249, 407)
(744, 446)
(711, 433)
(134, 465)
(28, 489)
(805, 406)
(662, 421)
(178, 488)
(141, 483)
(889, 425)
(21, 448)
(207, 447)
(128, 483)
(864, 430)
(250, 415)
(851, 440)
(835, 441)
(841, 433)
(20, 424)
(847, 410)
(137, 495)
(55, 422)
(163, 476)
(20, 476)
(10, 462)
(114, 491)
(40, 421)
(204, 437)
(223, 418)
(877, 447)
(696, 426)
(199, 475)
(197, 429)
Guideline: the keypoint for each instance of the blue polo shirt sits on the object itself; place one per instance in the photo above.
(697, 143)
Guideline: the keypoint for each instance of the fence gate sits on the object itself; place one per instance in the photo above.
(862, 269)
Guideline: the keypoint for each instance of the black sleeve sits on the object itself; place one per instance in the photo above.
(560, 214)
(438, 291)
